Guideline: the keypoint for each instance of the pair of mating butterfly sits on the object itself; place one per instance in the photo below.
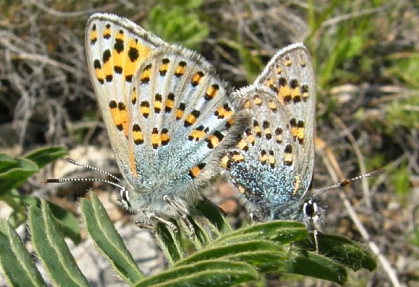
(173, 125)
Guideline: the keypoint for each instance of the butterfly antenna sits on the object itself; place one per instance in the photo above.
(82, 179)
(348, 181)
(76, 163)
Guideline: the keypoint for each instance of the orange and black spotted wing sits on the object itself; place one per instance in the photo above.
(183, 118)
(290, 75)
(115, 48)
(262, 164)
(272, 164)
(168, 116)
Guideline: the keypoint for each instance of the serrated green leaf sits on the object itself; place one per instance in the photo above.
(45, 155)
(107, 239)
(52, 249)
(15, 261)
(217, 273)
(14, 171)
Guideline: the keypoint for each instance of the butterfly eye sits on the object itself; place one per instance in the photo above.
(125, 197)
(310, 208)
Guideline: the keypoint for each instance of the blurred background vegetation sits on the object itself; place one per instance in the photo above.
(366, 60)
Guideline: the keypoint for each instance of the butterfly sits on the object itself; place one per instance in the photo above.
(272, 164)
(168, 116)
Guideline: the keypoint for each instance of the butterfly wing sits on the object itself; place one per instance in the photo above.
(168, 116)
(290, 75)
(183, 118)
(272, 164)
(115, 48)
(262, 164)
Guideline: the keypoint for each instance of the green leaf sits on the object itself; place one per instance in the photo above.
(254, 245)
(14, 171)
(15, 261)
(265, 260)
(205, 273)
(190, 235)
(314, 265)
(201, 237)
(343, 251)
(14, 199)
(169, 242)
(51, 248)
(44, 156)
(6, 162)
(107, 239)
(65, 220)
(213, 214)
(282, 232)
(251, 252)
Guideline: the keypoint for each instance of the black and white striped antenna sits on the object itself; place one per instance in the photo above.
(88, 179)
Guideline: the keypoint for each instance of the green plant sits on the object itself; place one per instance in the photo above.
(403, 114)
(14, 171)
(400, 178)
(335, 40)
(215, 256)
(178, 22)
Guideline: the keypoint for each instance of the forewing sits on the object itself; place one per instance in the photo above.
(115, 48)
(289, 74)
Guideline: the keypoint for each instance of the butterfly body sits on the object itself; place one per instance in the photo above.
(168, 116)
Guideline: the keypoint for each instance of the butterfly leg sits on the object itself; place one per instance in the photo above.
(316, 243)
(166, 222)
(315, 229)
(188, 223)
(182, 210)
(150, 218)
(144, 226)
(179, 205)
